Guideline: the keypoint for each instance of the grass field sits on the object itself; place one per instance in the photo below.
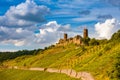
(12, 74)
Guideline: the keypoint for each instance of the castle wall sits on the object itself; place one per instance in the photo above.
(70, 40)
(76, 40)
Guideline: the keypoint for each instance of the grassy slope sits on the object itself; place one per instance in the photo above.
(97, 60)
(11, 74)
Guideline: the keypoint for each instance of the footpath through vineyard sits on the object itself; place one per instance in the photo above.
(69, 72)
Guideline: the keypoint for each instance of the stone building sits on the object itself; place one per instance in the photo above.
(76, 40)
(85, 33)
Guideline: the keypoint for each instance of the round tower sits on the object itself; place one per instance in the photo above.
(65, 36)
(85, 33)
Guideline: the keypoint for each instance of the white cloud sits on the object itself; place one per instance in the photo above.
(16, 36)
(15, 42)
(16, 26)
(19, 30)
(51, 32)
(48, 33)
(106, 29)
(24, 14)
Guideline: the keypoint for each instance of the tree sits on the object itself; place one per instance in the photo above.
(93, 42)
(115, 71)
(86, 41)
(116, 36)
(11, 55)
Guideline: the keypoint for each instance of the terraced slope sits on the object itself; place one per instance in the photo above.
(98, 60)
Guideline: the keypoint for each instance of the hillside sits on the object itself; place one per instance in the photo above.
(99, 60)
(31, 75)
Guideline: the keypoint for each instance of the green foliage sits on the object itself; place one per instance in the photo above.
(83, 49)
(11, 74)
(11, 55)
(116, 36)
(49, 47)
(86, 41)
(103, 41)
(115, 71)
(98, 60)
(93, 42)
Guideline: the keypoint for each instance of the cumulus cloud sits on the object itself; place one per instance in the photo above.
(106, 29)
(16, 36)
(16, 25)
(15, 42)
(51, 32)
(24, 14)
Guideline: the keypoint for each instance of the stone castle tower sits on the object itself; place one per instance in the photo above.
(76, 39)
(85, 33)
(65, 36)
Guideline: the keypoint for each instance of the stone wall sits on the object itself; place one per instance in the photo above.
(76, 40)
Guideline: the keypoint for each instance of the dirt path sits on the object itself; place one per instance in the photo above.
(69, 72)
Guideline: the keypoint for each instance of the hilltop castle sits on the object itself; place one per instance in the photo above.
(76, 40)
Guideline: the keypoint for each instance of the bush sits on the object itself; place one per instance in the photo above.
(93, 42)
(115, 72)
(86, 41)
(116, 36)
(107, 48)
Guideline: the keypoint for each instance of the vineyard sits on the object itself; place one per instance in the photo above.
(94, 59)
(102, 60)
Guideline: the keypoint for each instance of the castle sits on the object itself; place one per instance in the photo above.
(76, 40)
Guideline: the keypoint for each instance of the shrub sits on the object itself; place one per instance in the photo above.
(116, 36)
(93, 42)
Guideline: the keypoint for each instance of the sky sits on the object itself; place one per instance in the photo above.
(33, 24)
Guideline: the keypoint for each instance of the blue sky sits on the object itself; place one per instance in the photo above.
(31, 24)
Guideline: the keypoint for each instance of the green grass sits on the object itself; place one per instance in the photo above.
(98, 60)
(11, 74)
